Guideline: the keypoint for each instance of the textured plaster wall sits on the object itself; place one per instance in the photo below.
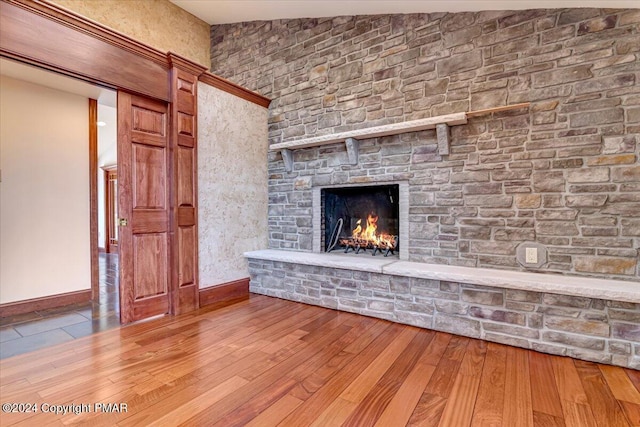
(563, 173)
(157, 23)
(232, 184)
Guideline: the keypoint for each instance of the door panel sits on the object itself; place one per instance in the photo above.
(150, 270)
(143, 200)
(186, 249)
(185, 129)
(185, 176)
(148, 221)
(146, 120)
(150, 172)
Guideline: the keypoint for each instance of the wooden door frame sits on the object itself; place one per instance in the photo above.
(93, 196)
(72, 45)
(108, 206)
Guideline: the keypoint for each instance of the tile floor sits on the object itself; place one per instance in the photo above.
(31, 331)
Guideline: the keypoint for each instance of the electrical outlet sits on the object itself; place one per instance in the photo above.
(531, 256)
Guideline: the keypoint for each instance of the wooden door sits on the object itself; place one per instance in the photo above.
(111, 209)
(143, 206)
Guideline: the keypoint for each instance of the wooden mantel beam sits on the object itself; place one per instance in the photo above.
(395, 128)
(374, 132)
(352, 138)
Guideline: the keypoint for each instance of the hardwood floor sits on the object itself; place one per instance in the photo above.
(264, 361)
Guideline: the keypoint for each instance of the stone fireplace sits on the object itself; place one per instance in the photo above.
(560, 178)
(369, 216)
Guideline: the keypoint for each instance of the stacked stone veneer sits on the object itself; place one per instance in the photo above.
(585, 328)
(563, 173)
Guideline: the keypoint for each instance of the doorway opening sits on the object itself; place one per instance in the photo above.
(106, 288)
(49, 194)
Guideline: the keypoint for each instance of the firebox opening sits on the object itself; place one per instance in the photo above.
(364, 218)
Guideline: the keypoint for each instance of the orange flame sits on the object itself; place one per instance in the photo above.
(370, 234)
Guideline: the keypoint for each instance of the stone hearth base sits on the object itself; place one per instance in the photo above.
(549, 318)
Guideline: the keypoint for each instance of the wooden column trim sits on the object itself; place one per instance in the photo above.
(184, 213)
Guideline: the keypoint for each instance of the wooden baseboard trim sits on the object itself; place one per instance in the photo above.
(101, 250)
(43, 303)
(224, 292)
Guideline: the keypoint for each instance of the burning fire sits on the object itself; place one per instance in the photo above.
(370, 235)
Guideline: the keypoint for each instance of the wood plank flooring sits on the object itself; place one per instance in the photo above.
(266, 362)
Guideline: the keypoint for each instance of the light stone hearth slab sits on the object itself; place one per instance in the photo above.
(361, 262)
(607, 289)
(616, 290)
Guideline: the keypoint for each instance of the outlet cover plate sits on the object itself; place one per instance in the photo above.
(522, 252)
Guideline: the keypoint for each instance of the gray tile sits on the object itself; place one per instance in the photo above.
(7, 334)
(35, 327)
(79, 329)
(33, 342)
(86, 312)
(105, 311)
(90, 327)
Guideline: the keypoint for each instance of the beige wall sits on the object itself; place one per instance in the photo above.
(232, 184)
(44, 193)
(157, 23)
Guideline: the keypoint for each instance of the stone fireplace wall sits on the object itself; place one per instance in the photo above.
(563, 173)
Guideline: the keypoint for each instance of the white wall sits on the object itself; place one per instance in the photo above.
(44, 193)
(232, 184)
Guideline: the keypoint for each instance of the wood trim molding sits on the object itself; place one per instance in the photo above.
(44, 303)
(184, 195)
(185, 64)
(93, 195)
(96, 30)
(133, 52)
(234, 89)
(108, 208)
(224, 292)
(39, 37)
